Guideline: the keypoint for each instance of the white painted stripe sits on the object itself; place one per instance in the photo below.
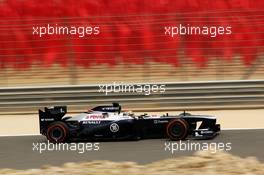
(234, 129)
(20, 135)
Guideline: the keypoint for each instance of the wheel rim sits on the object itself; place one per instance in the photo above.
(57, 133)
(177, 130)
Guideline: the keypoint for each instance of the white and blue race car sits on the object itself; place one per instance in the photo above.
(109, 122)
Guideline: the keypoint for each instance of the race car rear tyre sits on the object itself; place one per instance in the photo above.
(57, 132)
(177, 129)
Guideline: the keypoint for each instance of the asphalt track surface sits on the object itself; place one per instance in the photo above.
(17, 151)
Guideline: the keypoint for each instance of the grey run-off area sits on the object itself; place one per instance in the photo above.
(16, 151)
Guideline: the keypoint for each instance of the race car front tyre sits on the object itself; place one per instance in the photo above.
(57, 132)
(177, 129)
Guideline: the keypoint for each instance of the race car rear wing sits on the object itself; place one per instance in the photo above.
(49, 115)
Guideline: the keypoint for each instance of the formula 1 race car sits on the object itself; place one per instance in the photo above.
(109, 122)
